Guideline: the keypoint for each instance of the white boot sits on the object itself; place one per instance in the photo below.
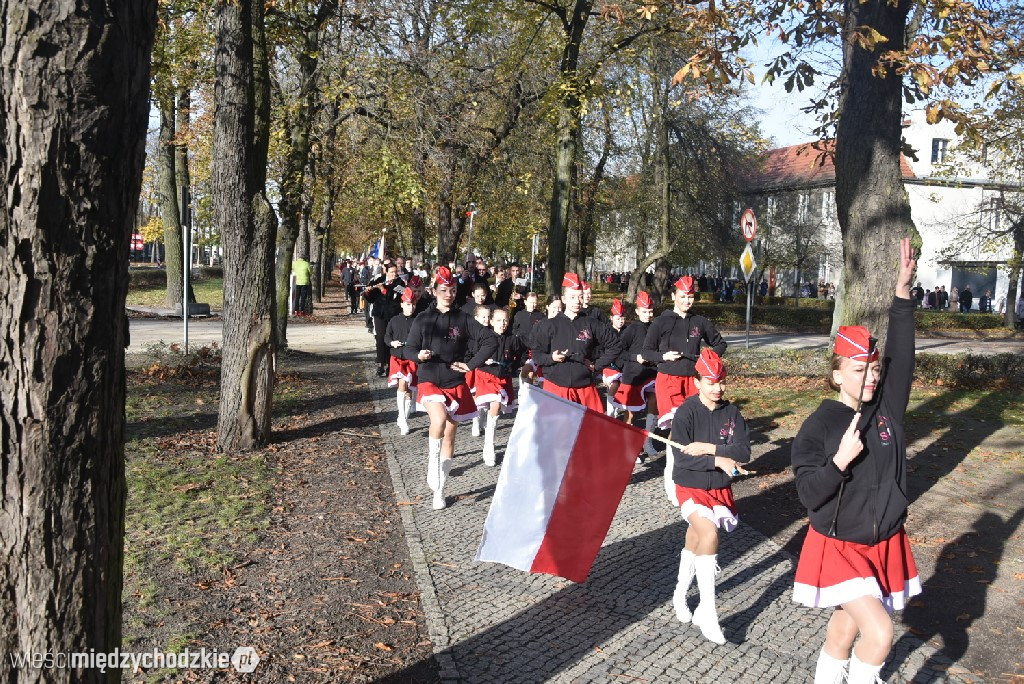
(439, 502)
(862, 673)
(403, 412)
(706, 615)
(686, 572)
(492, 424)
(609, 410)
(670, 484)
(650, 423)
(830, 670)
(433, 463)
(477, 419)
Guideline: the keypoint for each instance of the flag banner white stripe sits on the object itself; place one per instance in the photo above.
(538, 451)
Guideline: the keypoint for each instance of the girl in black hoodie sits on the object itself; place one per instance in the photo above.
(850, 468)
(714, 443)
(438, 341)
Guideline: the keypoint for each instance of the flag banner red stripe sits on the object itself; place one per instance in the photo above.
(598, 472)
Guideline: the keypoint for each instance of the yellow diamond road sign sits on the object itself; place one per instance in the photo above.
(747, 262)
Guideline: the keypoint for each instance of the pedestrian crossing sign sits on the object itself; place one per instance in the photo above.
(747, 262)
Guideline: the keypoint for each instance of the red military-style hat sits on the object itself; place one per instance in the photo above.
(415, 281)
(710, 365)
(408, 295)
(584, 285)
(854, 342)
(444, 276)
(686, 285)
(572, 281)
(643, 300)
(617, 308)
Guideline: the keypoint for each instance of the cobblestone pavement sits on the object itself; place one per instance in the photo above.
(490, 623)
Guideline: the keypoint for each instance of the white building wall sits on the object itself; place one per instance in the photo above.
(943, 204)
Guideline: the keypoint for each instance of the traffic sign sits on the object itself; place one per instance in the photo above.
(747, 263)
(748, 224)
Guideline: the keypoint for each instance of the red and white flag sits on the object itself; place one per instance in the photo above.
(564, 473)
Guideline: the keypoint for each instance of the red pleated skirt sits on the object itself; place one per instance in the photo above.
(831, 572)
(671, 391)
(717, 505)
(490, 388)
(587, 396)
(458, 400)
(401, 369)
(632, 397)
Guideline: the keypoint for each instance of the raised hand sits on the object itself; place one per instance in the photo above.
(906, 273)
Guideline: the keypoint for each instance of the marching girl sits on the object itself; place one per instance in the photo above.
(482, 315)
(553, 307)
(588, 310)
(494, 391)
(522, 327)
(439, 339)
(636, 387)
(673, 342)
(423, 297)
(849, 459)
(402, 370)
(571, 346)
(613, 373)
(715, 441)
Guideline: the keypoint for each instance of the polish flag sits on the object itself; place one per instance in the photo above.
(564, 473)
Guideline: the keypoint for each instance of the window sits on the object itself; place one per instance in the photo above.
(994, 213)
(939, 147)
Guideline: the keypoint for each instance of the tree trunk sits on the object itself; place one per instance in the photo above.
(419, 214)
(873, 208)
(326, 255)
(587, 218)
(1009, 316)
(181, 122)
(662, 180)
(247, 225)
(74, 105)
(558, 223)
(169, 202)
(449, 227)
(293, 179)
(565, 153)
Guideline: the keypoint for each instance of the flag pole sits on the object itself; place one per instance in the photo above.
(680, 447)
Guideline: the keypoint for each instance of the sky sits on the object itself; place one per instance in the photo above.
(781, 118)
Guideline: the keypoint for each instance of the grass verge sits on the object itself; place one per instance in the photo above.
(208, 291)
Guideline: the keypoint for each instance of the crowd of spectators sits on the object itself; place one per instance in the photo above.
(963, 301)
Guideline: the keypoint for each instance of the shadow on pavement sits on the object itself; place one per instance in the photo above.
(950, 579)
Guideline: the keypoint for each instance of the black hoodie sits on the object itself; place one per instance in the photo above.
(632, 341)
(672, 332)
(587, 339)
(508, 356)
(874, 501)
(448, 335)
(398, 331)
(723, 426)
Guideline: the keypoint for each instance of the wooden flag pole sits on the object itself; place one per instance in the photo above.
(680, 447)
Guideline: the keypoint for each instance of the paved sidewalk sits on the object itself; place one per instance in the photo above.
(490, 623)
